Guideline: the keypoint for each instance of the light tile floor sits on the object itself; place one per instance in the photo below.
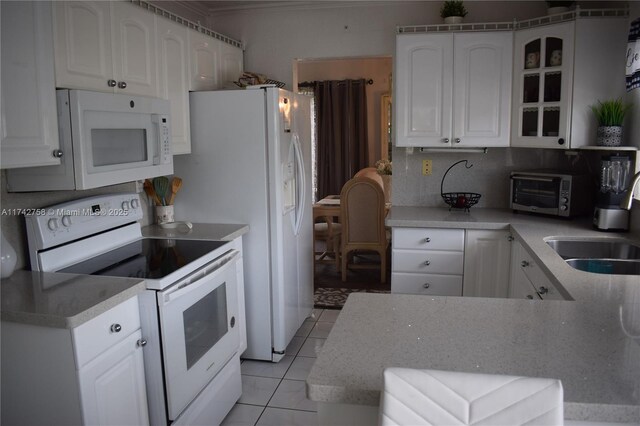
(274, 393)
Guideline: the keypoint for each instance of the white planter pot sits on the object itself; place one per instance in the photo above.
(453, 20)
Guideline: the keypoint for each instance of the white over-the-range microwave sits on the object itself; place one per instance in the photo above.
(105, 139)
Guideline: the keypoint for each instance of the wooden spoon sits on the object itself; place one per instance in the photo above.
(176, 184)
(148, 189)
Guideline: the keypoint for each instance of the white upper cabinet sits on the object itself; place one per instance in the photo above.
(205, 61)
(453, 90)
(543, 70)
(173, 79)
(28, 112)
(231, 65)
(105, 46)
(560, 71)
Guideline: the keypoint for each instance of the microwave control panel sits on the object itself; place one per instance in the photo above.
(165, 153)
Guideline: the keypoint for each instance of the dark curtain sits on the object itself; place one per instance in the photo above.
(341, 111)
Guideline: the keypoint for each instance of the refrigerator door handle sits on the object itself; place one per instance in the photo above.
(300, 184)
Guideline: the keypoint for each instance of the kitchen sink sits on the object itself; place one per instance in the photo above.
(599, 255)
(606, 266)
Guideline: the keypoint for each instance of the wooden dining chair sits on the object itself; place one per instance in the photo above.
(326, 229)
(362, 210)
(371, 173)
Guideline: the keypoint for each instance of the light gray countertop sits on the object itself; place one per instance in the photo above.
(200, 231)
(60, 300)
(592, 343)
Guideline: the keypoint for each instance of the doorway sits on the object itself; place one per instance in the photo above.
(376, 71)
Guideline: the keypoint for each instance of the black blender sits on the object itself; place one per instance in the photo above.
(614, 183)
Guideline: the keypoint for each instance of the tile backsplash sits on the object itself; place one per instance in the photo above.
(13, 226)
(489, 175)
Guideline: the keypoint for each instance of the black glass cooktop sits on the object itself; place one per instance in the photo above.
(148, 258)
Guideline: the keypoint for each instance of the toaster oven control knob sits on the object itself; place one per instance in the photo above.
(564, 200)
(125, 205)
(135, 203)
(563, 208)
(52, 224)
(66, 221)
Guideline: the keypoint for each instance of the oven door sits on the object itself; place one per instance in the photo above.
(199, 329)
(537, 194)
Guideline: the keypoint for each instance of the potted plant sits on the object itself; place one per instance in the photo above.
(554, 7)
(610, 115)
(453, 11)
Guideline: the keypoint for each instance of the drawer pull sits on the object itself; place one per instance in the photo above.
(426, 285)
(140, 343)
(115, 328)
(524, 264)
(427, 240)
(529, 296)
(426, 263)
(543, 290)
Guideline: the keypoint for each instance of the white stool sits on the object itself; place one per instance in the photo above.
(431, 397)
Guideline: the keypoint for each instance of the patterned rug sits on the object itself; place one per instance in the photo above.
(335, 298)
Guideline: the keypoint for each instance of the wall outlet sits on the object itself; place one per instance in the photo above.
(426, 167)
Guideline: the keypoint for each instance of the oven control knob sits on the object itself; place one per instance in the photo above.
(563, 208)
(125, 205)
(66, 221)
(52, 224)
(135, 203)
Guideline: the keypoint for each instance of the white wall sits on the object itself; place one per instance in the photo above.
(274, 38)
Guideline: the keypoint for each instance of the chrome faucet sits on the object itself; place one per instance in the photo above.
(627, 201)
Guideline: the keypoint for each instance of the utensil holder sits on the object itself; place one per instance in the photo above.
(164, 214)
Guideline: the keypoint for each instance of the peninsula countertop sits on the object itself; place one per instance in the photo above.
(591, 343)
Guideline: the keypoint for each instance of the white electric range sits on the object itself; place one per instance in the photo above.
(189, 312)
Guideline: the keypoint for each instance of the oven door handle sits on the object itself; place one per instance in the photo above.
(196, 279)
(536, 178)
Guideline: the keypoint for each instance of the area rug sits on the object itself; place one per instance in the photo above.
(335, 298)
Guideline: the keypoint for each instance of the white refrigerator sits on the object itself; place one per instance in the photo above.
(250, 163)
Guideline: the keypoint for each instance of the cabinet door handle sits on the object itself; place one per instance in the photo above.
(445, 140)
(140, 343)
(426, 263)
(426, 285)
(112, 83)
(427, 240)
(457, 140)
(524, 264)
(58, 153)
(122, 84)
(115, 328)
(510, 238)
(543, 290)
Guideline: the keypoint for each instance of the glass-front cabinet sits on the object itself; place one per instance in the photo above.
(542, 93)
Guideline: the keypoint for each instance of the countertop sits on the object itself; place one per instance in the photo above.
(200, 231)
(591, 343)
(60, 300)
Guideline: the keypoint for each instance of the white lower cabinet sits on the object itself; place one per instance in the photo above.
(91, 374)
(527, 279)
(427, 261)
(487, 258)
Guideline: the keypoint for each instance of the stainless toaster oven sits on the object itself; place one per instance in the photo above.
(551, 192)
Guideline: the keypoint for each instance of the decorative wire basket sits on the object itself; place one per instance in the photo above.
(458, 200)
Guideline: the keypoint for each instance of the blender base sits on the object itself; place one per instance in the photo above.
(614, 219)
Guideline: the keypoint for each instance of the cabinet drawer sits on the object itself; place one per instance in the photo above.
(428, 261)
(428, 238)
(95, 336)
(428, 284)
